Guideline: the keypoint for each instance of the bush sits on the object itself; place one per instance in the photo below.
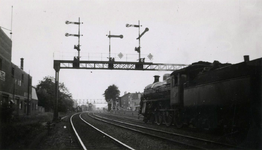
(6, 112)
(19, 134)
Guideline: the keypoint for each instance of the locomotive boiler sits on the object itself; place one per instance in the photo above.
(207, 95)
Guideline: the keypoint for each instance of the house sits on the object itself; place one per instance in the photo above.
(135, 99)
(130, 101)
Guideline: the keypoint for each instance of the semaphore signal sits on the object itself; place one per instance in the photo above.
(138, 49)
(77, 47)
(112, 36)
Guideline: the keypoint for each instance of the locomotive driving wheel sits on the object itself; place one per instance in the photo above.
(159, 118)
(149, 118)
(169, 117)
(152, 118)
(207, 125)
(145, 119)
(178, 119)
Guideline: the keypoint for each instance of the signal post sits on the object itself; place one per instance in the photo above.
(57, 69)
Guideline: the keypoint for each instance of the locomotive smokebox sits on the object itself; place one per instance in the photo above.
(246, 58)
(22, 64)
(156, 78)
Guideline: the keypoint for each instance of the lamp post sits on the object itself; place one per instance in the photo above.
(77, 47)
(110, 36)
(138, 49)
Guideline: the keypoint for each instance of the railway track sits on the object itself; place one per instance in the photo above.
(188, 141)
(91, 137)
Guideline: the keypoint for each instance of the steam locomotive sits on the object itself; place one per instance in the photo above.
(207, 96)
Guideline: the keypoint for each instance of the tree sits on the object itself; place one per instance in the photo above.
(111, 93)
(45, 92)
(65, 102)
(46, 95)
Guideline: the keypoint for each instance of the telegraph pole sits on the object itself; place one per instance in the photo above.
(139, 44)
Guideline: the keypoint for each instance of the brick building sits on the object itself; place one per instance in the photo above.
(130, 101)
(15, 84)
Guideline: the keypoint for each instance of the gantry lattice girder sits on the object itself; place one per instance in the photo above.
(116, 65)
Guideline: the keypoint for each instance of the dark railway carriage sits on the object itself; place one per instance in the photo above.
(209, 96)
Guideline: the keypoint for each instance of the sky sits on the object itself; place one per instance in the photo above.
(180, 32)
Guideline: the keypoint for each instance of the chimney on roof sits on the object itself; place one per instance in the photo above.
(156, 78)
(22, 64)
(246, 58)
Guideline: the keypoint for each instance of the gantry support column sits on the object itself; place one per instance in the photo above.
(57, 69)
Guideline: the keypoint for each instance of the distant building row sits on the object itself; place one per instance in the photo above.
(129, 101)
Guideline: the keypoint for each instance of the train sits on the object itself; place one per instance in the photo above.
(207, 96)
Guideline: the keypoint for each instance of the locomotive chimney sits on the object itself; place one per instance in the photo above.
(246, 58)
(156, 77)
(22, 64)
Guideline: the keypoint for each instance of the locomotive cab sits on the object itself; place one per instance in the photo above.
(177, 97)
(177, 90)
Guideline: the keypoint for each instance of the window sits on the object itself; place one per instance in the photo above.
(25, 107)
(22, 78)
(175, 80)
(184, 78)
(20, 105)
(13, 72)
(1, 63)
(5, 98)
